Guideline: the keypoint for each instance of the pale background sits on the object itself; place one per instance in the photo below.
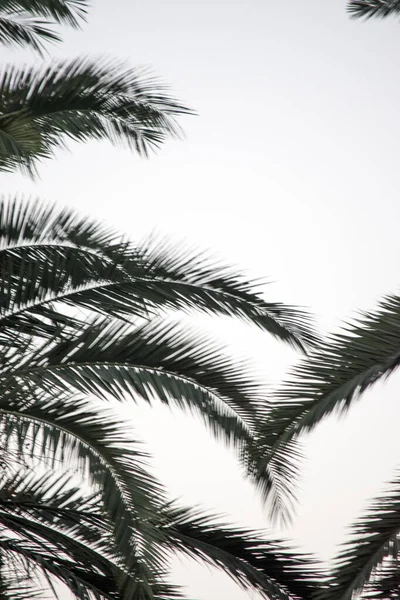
(292, 171)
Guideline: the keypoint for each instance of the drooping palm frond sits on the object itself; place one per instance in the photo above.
(51, 255)
(50, 528)
(25, 31)
(373, 8)
(20, 25)
(79, 326)
(67, 431)
(334, 375)
(68, 12)
(81, 99)
(368, 565)
(54, 262)
(247, 556)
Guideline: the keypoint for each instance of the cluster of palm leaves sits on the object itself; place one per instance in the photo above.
(84, 324)
(81, 326)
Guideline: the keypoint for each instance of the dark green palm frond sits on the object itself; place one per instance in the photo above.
(49, 253)
(224, 290)
(373, 8)
(68, 12)
(370, 557)
(56, 530)
(147, 362)
(81, 99)
(25, 31)
(266, 566)
(336, 373)
(68, 430)
(20, 25)
(275, 474)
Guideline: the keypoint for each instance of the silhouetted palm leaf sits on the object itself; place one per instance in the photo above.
(373, 8)
(22, 21)
(80, 325)
(368, 563)
(80, 99)
(333, 376)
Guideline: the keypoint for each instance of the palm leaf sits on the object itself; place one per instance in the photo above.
(79, 100)
(25, 31)
(373, 8)
(332, 377)
(66, 430)
(20, 25)
(49, 255)
(368, 562)
(266, 566)
(54, 529)
(69, 12)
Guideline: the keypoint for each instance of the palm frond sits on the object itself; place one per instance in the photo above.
(49, 255)
(151, 361)
(53, 529)
(25, 32)
(67, 430)
(68, 12)
(268, 567)
(81, 99)
(373, 8)
(334, 375)
(369, 559)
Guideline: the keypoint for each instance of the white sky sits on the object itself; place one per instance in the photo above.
(291, 171)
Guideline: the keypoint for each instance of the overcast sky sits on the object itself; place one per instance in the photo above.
(291, 171)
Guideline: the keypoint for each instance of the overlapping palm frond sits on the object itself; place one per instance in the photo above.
(81, 99)
(334, 375)
(373, 8)
(368, 565)
(50, 255)
(53, 531)
(29, 23)
(247, 556)
(80, 324)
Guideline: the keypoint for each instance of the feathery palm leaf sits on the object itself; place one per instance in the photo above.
(333, 376)
(79, 326)
(253, 562)
(80, 99)
(368, 564)
(22, 21)
(373, 8)
(50, 255)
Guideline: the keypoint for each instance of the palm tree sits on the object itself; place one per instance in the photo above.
(373, 8)
(334, 376)
(80, 324)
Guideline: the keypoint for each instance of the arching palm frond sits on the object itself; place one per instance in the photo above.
(25, 31)
(81, 99)
(69, 12)
(22, 21)
(79, 325)
(50, 528)
(368, 566)
(51, 255)
(246, 556)
(333, 376)
(373, 8)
